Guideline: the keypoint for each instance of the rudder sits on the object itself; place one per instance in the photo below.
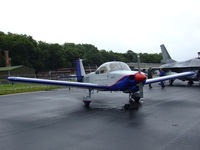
(80, 71)
(166, 57)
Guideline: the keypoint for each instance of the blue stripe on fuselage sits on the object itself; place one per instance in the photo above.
(124, 84)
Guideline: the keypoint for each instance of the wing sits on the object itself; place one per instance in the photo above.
(169, 77)
(57, 82)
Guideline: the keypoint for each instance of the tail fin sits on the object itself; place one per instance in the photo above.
(80, 71)
(166, 57)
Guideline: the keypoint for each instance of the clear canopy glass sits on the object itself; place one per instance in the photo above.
(112, 66)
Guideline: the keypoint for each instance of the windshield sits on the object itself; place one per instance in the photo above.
(112, 66)
(118, 66)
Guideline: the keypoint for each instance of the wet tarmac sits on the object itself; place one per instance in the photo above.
(166, 119)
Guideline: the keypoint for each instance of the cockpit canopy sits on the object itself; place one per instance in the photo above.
(112, 66)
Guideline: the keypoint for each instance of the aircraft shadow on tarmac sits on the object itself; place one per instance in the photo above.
(127, 111)
(99, 105)
(126, 107)
(133, 115)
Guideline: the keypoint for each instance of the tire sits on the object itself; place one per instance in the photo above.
(136, 99)
(87, 103)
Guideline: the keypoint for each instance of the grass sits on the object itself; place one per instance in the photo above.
(21, 88)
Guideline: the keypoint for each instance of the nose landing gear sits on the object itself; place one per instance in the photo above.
(134, 99)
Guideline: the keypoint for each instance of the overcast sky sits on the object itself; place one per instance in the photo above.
(118, 25)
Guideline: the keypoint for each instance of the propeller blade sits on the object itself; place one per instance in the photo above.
(138, 59)
(139, 77)
(141, 90)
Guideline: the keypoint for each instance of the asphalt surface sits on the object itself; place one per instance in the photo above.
(166, 119)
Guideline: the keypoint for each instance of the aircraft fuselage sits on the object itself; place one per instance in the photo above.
(178, 67)
(116, 76)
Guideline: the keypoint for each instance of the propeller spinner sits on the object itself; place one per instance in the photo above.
(140, 77)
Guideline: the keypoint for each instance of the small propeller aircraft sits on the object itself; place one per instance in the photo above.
(110, 76)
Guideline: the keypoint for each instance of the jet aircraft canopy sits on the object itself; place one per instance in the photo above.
(112, 66)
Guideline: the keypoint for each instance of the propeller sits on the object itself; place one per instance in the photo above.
(138, 62)
(140, 77)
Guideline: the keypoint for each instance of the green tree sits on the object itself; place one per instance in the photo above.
(24, 50)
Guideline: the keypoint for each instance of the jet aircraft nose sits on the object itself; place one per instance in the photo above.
(139, 77)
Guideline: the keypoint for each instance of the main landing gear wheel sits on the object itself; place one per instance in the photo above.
(190, 83)
(87, 101)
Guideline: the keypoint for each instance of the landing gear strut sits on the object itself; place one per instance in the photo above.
(134, 99)
(171, 82)
(190, 83)
(87, 99)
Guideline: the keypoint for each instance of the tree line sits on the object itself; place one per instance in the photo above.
(24, 50)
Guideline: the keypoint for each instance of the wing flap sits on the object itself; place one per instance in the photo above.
(57, 82)
(169, 77)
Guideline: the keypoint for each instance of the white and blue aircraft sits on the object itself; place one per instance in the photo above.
(110, 76)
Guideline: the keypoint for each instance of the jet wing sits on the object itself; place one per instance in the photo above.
(169, 77)
(57, 83)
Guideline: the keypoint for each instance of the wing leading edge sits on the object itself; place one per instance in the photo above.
(169, 77)
(91, 85)
(56, 82)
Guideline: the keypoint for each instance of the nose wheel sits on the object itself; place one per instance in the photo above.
(134, 97)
